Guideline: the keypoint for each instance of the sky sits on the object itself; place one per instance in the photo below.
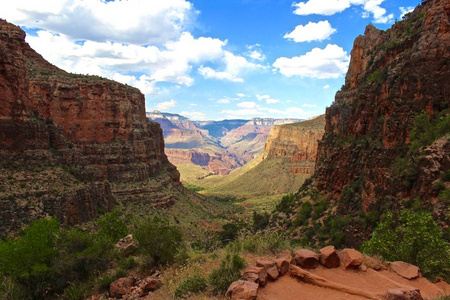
(209, 59)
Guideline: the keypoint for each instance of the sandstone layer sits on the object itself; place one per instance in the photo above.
(394, 76)
(69, 142)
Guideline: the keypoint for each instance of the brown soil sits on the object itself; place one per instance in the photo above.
(371, 281)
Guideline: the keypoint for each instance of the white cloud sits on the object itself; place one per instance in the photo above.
(223, 101)
(194, 115)
(131, 21)
(330, 62)
(311, 32)
(166, 105)
(330, 7)
(309, 105)
(272, 101)
(262, 97)
(405, 10)
(326, 87)
(257, 55)
(247, 104)
(241, 95)
(241, 112)
(208, 72)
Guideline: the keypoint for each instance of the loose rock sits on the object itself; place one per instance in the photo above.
(122, 286)
(242, 290)
(329, 257)
(403, 294)
(350, 258)
(255, 274)
(306, 258)
(270, 267)
(405, 270)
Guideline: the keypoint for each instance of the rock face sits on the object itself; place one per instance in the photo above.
(297, 143)
(394, 76)
(67, 140)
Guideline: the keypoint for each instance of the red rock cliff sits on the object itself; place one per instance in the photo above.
(95, 129)
(297, 143)
(394, 76)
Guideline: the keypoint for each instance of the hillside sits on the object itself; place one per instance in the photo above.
(287, 160)
(75, 146)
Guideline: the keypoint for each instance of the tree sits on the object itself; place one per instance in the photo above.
(412, 237)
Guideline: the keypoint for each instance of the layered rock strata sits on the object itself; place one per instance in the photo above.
(69, 142)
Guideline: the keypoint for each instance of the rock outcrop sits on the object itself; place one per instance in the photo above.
(297, 143)
(69, 142)
(394, 76)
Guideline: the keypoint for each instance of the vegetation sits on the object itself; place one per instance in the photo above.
(413, 237)
(229, 271)
(191, 285)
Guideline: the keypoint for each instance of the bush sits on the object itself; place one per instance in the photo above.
(304, 214)
(260, 221)
(285, 203)
(28, 260)
(229, 271)
(157, 239)
(194, 284)
(230, 232)
(413, 237)
(112, 226)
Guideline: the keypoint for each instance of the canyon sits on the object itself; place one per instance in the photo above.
(73, 146)
(217, 146)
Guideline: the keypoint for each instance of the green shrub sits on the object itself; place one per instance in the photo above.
(425, 131)
(112, 226)
(286, 203)
(230, 232)
(413, 237)
(105, 281)
(194, 284)
(157, 239)
(229, 271)
(28, 259)
(304, 214)
(260, 221)
(270, 243)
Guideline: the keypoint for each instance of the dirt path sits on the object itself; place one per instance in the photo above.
(377, 282)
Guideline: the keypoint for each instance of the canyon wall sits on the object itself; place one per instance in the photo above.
(394, 77)
(70, 143)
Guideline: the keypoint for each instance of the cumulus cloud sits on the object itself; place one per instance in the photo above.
(129, 21)
(241, 95)
(330, 62)
(326, 87)
(262, 97)
(194, 115)
(166, 105)
(272, 101)
(247, 104)
(330, 7)
(311, 32)
(210, 73)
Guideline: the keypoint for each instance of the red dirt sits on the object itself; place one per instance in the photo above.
(372, 281)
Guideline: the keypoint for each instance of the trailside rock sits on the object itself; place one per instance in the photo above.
(270, 267)
(329, 257)
(255, 274)
(405, 269)
(286, 254)
(350, 258)
(149, 284)
(282, 265)
(242, 290)
(403, 294)
(306, 258)
(126, 246)
(122, 286)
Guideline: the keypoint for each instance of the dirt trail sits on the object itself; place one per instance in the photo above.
(377, 282)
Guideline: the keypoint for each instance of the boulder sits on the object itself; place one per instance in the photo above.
(270, 267)
(282, 265)
(403, 294)
(329, 257)
(150, 284)
(306, 258)
(286, 254)
(255, 274)
(405, 270)
(350, 258)
(242, 290)
(122, 286)
(126, 246)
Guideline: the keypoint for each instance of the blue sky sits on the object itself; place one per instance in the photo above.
(208, 59)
